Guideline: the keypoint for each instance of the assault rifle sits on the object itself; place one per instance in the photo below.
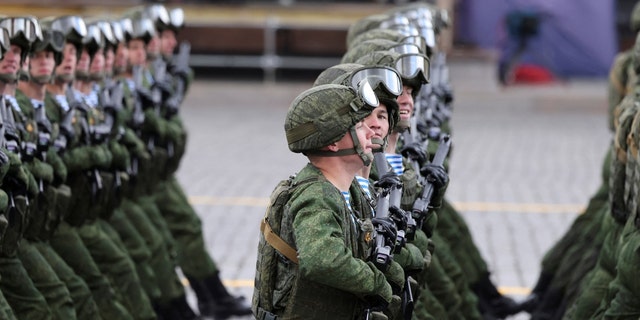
(421, 205)
(110, 99)
(94, 175)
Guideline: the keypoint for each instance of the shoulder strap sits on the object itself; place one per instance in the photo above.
(275, 240)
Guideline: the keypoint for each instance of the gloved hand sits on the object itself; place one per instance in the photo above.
(415, 151)
(394, 310)
(400, 218)
(388, 181)
(439, 178)
(5, 163)
(386, 227)
(165, 88)
(146, 98)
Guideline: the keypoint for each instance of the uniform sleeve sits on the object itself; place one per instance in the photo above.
(322, 253)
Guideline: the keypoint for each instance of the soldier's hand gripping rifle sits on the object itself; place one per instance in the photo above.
(87, 133)
(421, 205)
(110, 99)
(44, 139)
(180, 70)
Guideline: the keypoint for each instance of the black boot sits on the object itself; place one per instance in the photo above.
(178, 309)
(491, 302)
(224, 304)
(531, 302)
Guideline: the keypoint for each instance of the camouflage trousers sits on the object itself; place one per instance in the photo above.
(21, 294)
(595, 288)
(118, 267)
(69, 246)
(46, 281)
(625, 287)
(81, 296)
(133, 218)
(186, 228)
(454, 230)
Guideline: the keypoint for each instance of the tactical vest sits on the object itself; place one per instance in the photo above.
(279, 292)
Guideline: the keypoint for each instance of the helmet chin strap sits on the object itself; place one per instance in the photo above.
(357, 149)
(8, 77)
(402, 125)
(41, 80)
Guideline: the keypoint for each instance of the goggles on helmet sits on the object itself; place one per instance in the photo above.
(127, 28)
(118, 32)
(72, 27)
(176, 18)
(405, 48)
(412, 65)
(107, 32)
(158, 15)
(418, 41)
(5, 41)
(51, 39)
(393, 21)
(372, 77)
(94, 36)
(143, 28)
(26, 27)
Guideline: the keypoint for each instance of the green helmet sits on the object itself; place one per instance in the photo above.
(635, 18)
(366, 47)
(363, 25)
(51, 41)
(138, 25)
(158, 15)
(73, 28)
(377, 33)
(176, 19)
(384, 81)
(412, 67)
(323, 114)
(23, 31)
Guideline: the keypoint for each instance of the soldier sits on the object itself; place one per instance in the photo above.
(181, 219)
(47, 166)
(23, 298)
(557, 264)
(327, 267)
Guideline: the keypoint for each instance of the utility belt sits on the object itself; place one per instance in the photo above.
(262, 314)
(43, 215)
(152, 170)
(17, 213)
(86, 187)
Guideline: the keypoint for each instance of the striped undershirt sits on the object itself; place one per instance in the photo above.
(395, 160)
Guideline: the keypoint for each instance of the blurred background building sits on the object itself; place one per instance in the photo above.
(576, 38)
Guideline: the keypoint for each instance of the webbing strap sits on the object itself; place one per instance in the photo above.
(275, 241)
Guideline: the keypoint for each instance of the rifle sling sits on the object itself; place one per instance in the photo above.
(278, 243)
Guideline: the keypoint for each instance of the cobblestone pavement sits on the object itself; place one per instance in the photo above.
(525, 161)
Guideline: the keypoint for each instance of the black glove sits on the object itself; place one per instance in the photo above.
(415, 151)
(165, 87)
(388, 181)
(145, 96)
(398, 216)
(439, 178)
(386, 227)
(435, 175)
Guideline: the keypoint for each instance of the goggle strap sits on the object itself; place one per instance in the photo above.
(300, 132)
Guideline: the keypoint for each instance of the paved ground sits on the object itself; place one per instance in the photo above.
(525, 161)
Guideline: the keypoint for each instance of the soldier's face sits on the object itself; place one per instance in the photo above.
(405, 102)
(154, 45)
(169, 42)
(83, 63)
(97, 64)
(137, 53)
(378, 121)
(42, 63)
(364, 134)
(69, 60)
(122, 56)
(10, 63)
(109, 58)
